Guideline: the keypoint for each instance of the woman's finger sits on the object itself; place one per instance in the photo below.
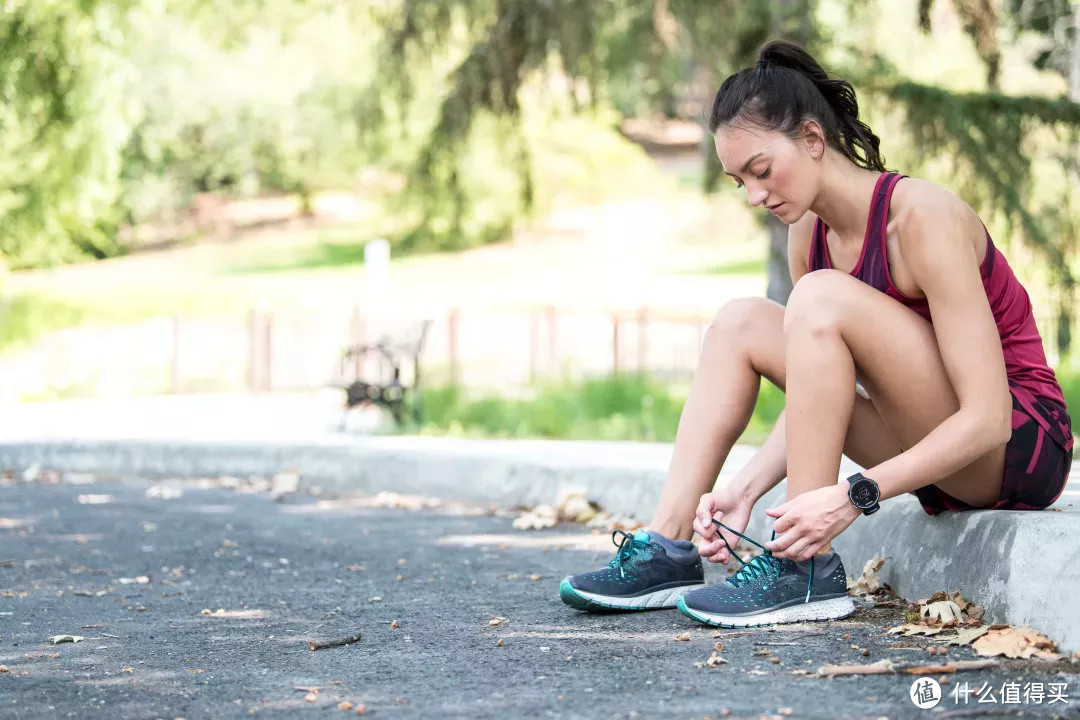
(801, 550)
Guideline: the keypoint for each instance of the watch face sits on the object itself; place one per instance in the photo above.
(863, 493)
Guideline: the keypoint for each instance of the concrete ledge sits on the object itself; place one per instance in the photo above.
(1021, 565)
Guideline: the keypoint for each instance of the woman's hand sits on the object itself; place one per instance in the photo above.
(809, 521)
(730, 508)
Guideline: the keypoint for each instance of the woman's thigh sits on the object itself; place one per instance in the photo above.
(759, 326)
(898, 362)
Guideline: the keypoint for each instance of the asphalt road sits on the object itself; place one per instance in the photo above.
(421, 587)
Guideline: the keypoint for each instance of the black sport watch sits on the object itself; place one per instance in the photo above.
(864, 494)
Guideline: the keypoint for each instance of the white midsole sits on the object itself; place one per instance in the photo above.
(832, 609)
(658, 599)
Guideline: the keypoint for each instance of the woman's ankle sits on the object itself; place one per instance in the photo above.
(672, 530)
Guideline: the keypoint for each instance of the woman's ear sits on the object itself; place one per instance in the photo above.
(812, 138)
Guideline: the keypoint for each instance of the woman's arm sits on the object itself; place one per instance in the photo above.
(937, 249)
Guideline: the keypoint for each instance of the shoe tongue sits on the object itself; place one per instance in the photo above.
(641, 535)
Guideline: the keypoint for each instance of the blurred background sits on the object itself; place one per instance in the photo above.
(496, 218)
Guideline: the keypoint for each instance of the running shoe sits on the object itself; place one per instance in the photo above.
(648, 572)
(770, 590)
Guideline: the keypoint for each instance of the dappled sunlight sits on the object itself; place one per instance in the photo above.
(138, 676)
(597, 635)
(388, 500)
(250, 614)
(582, 541)
(214, 509)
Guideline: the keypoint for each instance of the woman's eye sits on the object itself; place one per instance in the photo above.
(765, 174)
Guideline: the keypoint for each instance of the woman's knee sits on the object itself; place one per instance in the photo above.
(817, 301)
(741, 317)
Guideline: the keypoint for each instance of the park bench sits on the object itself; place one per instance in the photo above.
(385, 373)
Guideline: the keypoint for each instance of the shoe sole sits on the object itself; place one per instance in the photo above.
(832, 609)
(659, 600)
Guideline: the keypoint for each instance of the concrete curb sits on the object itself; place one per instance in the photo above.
(1020, 565)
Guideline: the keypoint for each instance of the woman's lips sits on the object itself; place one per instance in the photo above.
(776, 207)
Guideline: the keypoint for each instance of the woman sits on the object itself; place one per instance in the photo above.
(899, 288)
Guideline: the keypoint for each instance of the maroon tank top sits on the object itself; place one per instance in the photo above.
(1030, 378)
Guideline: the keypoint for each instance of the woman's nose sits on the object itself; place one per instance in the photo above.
(757, 197)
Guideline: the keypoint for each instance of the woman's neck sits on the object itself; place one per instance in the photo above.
(844, 199)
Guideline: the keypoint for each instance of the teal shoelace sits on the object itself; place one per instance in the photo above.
(629, 548)
(761, 566)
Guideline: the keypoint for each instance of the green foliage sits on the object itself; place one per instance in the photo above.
(61, 126)
(233, 103)
(992, 140)
(1069, 380)
(623, 407)
(576, 52)
(25, 317)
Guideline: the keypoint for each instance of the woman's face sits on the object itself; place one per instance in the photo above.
(778, 173)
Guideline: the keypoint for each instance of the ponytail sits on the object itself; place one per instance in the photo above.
(786, 87)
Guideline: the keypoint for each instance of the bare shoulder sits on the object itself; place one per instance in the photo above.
(920, 208)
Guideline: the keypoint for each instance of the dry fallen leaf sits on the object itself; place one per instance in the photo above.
(344, 705)
(534, 576)
(1015, 642)
(497, 620)
(127, 670)
(4, 669)
(945, 611)
(715, 660)
(685, 637)
(141, 580)
(312, 696)
(539, 518)
(500, 643)
(361, 709)
(394, 624)
(868, 583)
(57, 639)
(965, 636)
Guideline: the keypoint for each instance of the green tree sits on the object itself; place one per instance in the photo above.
(61, 126)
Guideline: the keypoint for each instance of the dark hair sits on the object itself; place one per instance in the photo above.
(786, 87)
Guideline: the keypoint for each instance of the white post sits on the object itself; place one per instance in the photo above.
(376, 288)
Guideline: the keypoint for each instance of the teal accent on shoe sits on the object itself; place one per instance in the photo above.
(574, 599)
(681, 607)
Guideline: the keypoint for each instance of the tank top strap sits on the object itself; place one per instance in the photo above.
(819, 257)
(873, 269)
(879, 210)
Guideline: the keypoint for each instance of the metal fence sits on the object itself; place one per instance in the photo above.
(266, 351)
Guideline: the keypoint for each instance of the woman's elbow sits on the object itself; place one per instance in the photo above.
(999, 422)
